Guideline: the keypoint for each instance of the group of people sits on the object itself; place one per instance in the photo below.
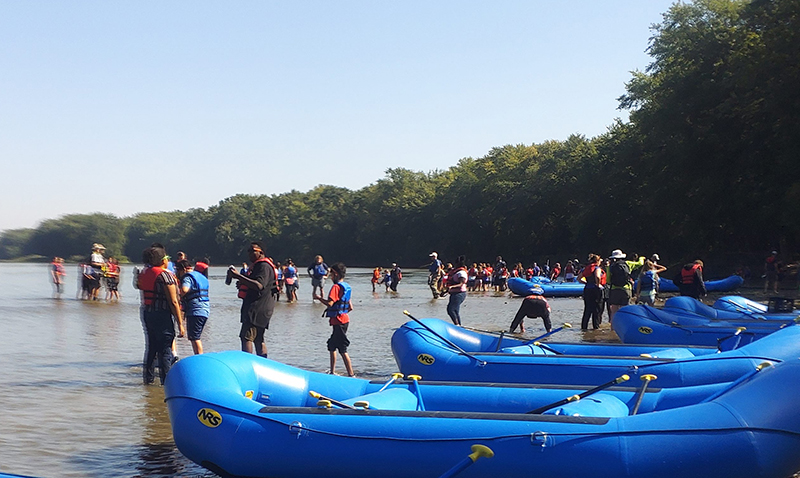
(94, 274)
(390, 277)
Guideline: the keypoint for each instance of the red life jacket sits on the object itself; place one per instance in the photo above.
(243, 288)
(147, 283)
(451, 276)
(588, 274)
(687, 275)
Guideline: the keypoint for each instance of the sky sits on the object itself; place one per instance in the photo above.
(125, 107)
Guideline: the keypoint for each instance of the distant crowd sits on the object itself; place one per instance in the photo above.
(175, 292)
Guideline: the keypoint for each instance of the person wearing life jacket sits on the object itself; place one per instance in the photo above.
(592, 275)
(202, 266)
(318, 271)
(647, 284)
(457, 288)
(771, 271)
(57, 273)
(535, 305)
(690, 280)
(290, 281)
(555, 272)
(397, 275)
(194, 297)
(258, 291)
(434, 274)
(160, 306)
(620, 276)
(338, 308)
(112, 274)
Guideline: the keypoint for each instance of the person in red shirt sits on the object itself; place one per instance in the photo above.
(338, 307)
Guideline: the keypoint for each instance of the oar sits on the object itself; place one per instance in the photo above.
(339, 404)
(738, 381)
(395, 377)
(646, 379)
(548, 334)
(545, 347)
(482, 362)
(478, 451)
(417, 391)
(500, 340)
(575, 398)
(737, 334)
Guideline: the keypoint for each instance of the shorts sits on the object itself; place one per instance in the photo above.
(194, 326)
(619, 296)
(252, 333)
(338, 340)
(318, 282)
(112, 283)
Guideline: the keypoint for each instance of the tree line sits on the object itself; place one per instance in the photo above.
(706, 166)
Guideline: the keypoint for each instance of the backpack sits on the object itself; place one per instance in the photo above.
(620, 274)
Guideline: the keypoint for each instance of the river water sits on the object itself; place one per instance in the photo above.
(71, 388)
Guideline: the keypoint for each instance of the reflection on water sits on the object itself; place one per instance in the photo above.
(71, 390)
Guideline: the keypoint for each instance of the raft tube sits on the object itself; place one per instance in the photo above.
(425, 351)
(524, 288)
(240, 415)
(643, 324)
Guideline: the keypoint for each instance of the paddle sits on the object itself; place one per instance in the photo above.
(417, 391)
(545, 347)
(478, 451)
(737, 335)
(482, 362)
(738, 381)
(565, 326)
(575, 398)
(395, 376)
(646, 379)
(500, 340)
(339, 404)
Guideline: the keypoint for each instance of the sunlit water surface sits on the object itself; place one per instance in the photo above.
(71, 388)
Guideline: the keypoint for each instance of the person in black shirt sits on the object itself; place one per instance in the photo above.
(258, 291)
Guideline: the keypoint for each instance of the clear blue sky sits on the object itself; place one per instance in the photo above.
(126, 107)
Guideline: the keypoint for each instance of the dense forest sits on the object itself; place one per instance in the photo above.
(706, 166)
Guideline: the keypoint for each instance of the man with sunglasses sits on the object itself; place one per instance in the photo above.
(258, 291)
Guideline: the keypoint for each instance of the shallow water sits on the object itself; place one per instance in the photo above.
(71, 388)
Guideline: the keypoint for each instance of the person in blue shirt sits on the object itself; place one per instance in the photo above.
(318, 271)
(194, 298)
(290, 280)
(435, 273)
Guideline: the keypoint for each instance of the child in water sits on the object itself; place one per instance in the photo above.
(339, 304)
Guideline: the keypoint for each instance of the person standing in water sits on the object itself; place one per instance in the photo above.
(258, 291)
(57, 274)
(532, 306)
(318, 271)
(338, 306)
(457, 288)
(434, 274)
(194, 296)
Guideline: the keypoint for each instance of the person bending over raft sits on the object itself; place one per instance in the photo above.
(532, 306)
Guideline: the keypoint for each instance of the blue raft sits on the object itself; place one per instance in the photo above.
(480, 357)
(244, 416)
(720, 285)
(522, 287)
(698, 324)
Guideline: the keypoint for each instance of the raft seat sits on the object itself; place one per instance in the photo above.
(389, 399)
(598, 405)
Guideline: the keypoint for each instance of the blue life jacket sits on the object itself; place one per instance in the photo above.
(647, 281)
(320, 270)
(342, 305)
(196, 300)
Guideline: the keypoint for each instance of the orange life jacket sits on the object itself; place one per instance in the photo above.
(243, 288)
(147, 283)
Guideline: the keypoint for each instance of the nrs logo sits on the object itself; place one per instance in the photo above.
(645, 330)
(426, 359)
(209, 417)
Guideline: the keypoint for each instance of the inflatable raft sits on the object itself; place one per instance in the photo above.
(240, 415)
(702, 325)
(721, 285)
(437, 350)
(729, 308)
(522, 287)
